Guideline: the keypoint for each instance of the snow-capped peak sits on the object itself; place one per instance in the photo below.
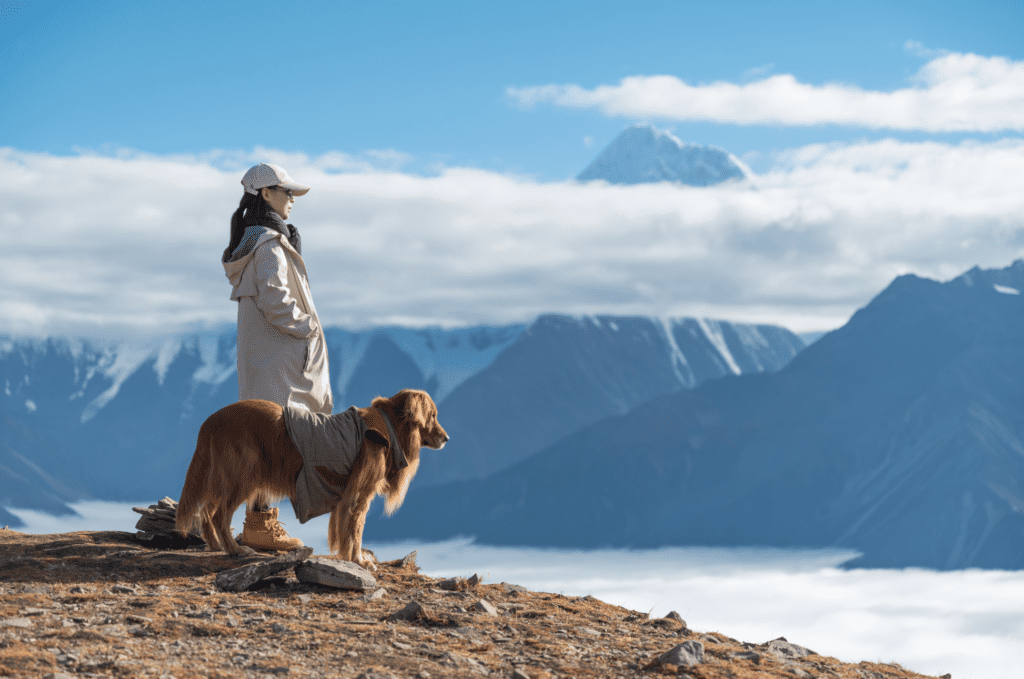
(643, 154)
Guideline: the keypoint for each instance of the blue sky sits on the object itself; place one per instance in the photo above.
(430, 79)
(431, 115)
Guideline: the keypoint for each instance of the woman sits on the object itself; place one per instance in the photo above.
(282, 355)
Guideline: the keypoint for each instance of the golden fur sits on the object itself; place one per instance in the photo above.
(243, 452)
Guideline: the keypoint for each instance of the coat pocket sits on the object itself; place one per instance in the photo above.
(313, 360)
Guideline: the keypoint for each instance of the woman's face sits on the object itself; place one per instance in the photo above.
(279, 199)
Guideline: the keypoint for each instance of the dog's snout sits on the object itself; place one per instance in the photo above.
(441, 439)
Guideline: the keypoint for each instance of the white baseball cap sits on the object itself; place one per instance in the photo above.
(264, 175)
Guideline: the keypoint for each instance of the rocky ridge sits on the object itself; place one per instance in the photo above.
(98, 604)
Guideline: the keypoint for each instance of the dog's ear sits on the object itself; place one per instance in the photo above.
(418, 406)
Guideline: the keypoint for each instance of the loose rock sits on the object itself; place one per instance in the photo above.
(239, 579)
(414, 610)
(453, 584)
(686, 654)
(337, 574)
(672, 615)
(409, 560)
(783, 650)
(752, 656)
(485, 606)
(375, 595)
(157, 526)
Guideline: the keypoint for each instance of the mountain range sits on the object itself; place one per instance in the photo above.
(898, 435)
(83, 419)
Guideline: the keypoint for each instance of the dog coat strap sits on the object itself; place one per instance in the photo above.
(396, 447)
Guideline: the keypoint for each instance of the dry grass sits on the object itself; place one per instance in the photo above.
(100, 604)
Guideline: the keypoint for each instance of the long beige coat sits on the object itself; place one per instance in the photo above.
(282, 355)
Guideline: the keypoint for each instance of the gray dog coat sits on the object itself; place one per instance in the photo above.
(329, 445)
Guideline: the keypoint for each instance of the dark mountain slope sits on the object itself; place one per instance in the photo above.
(567, 372)
(899, 434)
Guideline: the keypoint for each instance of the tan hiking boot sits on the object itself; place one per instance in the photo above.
(263, 531)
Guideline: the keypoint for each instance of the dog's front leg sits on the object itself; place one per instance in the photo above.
(359, 521)
(346, 529)
(349, 516)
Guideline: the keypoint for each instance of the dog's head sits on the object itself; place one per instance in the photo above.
(419, 411)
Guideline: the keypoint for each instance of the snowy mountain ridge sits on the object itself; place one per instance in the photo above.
(117, 420)
(444, 357)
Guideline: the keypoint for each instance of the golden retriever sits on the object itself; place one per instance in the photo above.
(244, 452)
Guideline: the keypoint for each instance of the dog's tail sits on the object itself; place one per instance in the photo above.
(193, 493)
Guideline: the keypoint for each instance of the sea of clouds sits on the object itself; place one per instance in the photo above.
(97, 242)
(969, 623)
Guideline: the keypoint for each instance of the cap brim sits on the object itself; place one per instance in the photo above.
(296, 189)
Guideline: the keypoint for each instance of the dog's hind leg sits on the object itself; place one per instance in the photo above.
(206, 520)
(225, 511)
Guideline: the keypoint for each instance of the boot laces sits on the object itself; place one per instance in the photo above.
(277, 529)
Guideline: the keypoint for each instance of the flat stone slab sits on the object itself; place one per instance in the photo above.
(337, 574)
(241, 579)
(24, 623)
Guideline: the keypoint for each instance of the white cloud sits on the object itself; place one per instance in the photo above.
(951, 93)
(98, 242)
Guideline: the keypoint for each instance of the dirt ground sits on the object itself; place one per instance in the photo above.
(100, 604)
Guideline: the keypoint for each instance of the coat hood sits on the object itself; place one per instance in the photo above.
(252, 238)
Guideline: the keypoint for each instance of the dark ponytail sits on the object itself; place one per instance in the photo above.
(252, 209)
